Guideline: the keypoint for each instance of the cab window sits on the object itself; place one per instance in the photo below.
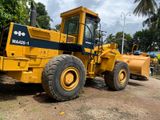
(90, 28)
(72, 25)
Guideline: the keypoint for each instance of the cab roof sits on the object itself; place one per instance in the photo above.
(79, 10)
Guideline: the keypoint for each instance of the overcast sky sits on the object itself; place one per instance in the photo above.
(109, 11)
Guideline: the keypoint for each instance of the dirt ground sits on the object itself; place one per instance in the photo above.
(139, 101)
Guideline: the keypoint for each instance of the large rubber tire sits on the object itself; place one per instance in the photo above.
(112, 78)
(52, 75)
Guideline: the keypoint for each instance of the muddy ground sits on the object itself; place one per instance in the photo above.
(139, 101)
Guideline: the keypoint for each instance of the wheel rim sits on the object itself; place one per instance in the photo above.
(69, 79)
(122, 77)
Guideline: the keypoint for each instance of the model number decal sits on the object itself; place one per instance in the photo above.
(20, 42)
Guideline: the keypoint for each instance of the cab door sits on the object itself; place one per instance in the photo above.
(89, 35)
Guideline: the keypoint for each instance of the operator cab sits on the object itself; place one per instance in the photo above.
(81, 23)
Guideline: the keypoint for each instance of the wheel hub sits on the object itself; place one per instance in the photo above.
(122, 76)
(69, 78)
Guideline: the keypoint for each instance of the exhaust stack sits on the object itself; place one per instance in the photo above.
(33, 15)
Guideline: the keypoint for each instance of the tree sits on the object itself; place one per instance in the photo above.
(18, 11)
(117, 38)
(154, 21)
(145, 7)
(43, 18)
(147, 39)
(13, 10)
(153, 24)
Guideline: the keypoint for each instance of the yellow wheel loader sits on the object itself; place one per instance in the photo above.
(62, 60)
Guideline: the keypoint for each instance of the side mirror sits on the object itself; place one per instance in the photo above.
(97, 20)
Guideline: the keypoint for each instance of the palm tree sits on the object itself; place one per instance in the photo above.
(154, 20)
(145, 7)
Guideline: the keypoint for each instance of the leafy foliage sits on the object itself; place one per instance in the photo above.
(147, 39)
(18, 11)
(153, 21)
(13, 10)
(43, 18)
(145, 7)
(117, 38)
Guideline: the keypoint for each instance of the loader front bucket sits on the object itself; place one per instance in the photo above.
(138, 65)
